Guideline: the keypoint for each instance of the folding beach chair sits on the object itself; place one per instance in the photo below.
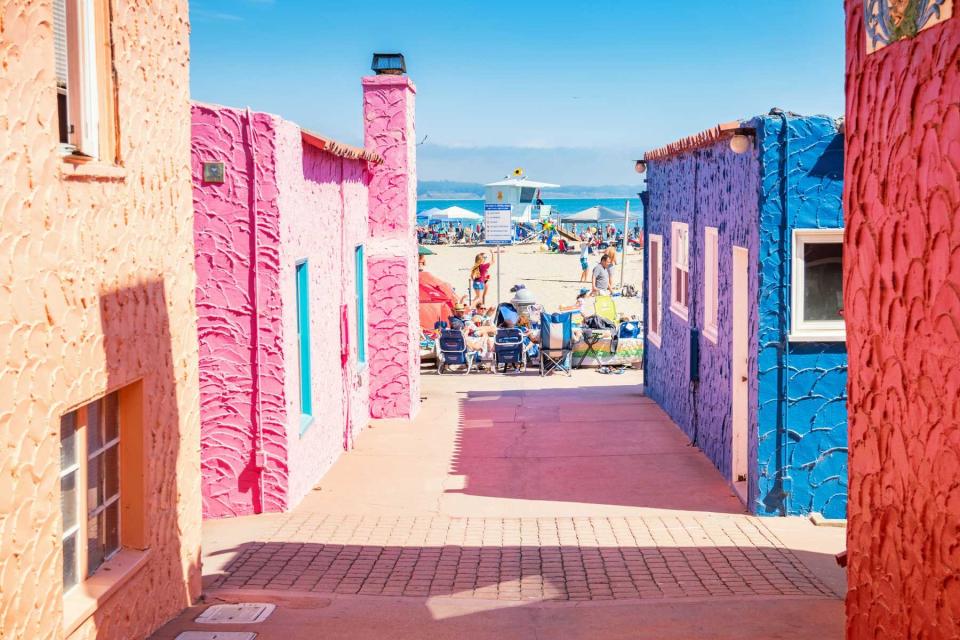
(453, 351)
(508, 349)
(605, 307)
(556, 342)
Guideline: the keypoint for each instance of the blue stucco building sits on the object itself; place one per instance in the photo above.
(745, 345)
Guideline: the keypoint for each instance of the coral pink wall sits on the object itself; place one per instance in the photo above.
(96, 293)
(310, 205)
(902, 296)
(388, 107)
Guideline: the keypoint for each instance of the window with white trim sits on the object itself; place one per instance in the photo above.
(680, 269)
(89, 487)
(711, 283)
(817, 286)
(84, 72)
(654, 288)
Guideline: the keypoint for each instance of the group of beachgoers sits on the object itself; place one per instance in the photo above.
(457, 233)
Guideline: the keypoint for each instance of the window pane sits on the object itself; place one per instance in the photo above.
(111, 472)
(94, 483)
(111, 529)
(111, 417)
(823, 281)
(69, 561)
(94, 426)
(68, 500)
(94, 543)
(68, 440)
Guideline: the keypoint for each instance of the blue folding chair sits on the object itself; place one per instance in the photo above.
(508, 350)
(556, 342)
(453, 351)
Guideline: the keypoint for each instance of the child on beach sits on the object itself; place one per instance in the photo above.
(584, 258)
(479, 276)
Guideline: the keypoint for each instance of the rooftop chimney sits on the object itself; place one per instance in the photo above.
(388, 64)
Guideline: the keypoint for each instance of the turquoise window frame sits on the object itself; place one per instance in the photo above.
(360, 269)
(302, 277)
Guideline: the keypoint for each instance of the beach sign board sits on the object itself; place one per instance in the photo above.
(498, 223)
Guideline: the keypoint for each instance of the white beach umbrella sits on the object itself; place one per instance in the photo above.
(427, 214)
(457, 214)
(594, 214)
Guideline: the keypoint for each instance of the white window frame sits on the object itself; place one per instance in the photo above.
(655, 284)
(679, 259)
(83, 81)
(84, 457)
(802, 330)
(711, 283)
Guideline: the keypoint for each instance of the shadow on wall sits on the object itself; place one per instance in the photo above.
(599, 445)
(160, 503)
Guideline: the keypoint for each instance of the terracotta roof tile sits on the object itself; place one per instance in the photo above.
(696, 141)
(339, 148)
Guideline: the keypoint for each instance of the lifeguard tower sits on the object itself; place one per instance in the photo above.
(521, 194)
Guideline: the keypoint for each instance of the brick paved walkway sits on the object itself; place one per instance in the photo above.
(597, 558)
(517, 507)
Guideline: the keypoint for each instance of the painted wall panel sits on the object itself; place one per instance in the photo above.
(802, 443)
(96, 292)
(797, 419)
(310, 205)
(903, 331)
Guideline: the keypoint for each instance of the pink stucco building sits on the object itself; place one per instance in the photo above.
(292, 258)
(99, 414)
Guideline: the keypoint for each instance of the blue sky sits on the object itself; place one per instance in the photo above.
(572, 91)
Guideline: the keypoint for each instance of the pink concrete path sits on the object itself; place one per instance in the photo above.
(523, 507)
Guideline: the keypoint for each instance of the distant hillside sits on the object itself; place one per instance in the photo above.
(450, 190)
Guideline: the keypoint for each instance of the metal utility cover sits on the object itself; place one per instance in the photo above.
(242, 613)
(217, 635)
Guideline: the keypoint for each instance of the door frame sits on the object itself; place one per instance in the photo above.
(740, 369)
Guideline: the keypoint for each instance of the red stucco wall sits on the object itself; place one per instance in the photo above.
(902, 290)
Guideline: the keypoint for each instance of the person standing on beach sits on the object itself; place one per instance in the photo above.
(584, 258)
(601, 278)
(611, 254)
(480, 276)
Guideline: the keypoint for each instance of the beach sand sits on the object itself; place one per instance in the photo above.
(553, 278)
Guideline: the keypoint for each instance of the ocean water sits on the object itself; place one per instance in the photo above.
(563, 205)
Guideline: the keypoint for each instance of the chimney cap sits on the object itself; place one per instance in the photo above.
(388, 64)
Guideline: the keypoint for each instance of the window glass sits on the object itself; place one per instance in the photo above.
(69, 561)
(823, 280)
(94, 427)
(68, 500)
(68, 440)
(527, 193)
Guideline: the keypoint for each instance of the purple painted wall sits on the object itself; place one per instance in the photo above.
(713, 187)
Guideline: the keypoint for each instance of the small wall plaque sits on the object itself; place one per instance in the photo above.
(213, 172)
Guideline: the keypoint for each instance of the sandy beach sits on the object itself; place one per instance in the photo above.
(553, 278)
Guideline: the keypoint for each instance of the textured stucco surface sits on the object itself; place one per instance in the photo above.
(388, 108)
(802, 450)
(228, 309)
(310, 205)
(96, 292)
(903, 332)
(323, 205)
(797, 416)
(717, 188)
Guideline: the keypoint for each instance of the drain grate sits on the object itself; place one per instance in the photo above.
(242, 613)
(217, 635)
